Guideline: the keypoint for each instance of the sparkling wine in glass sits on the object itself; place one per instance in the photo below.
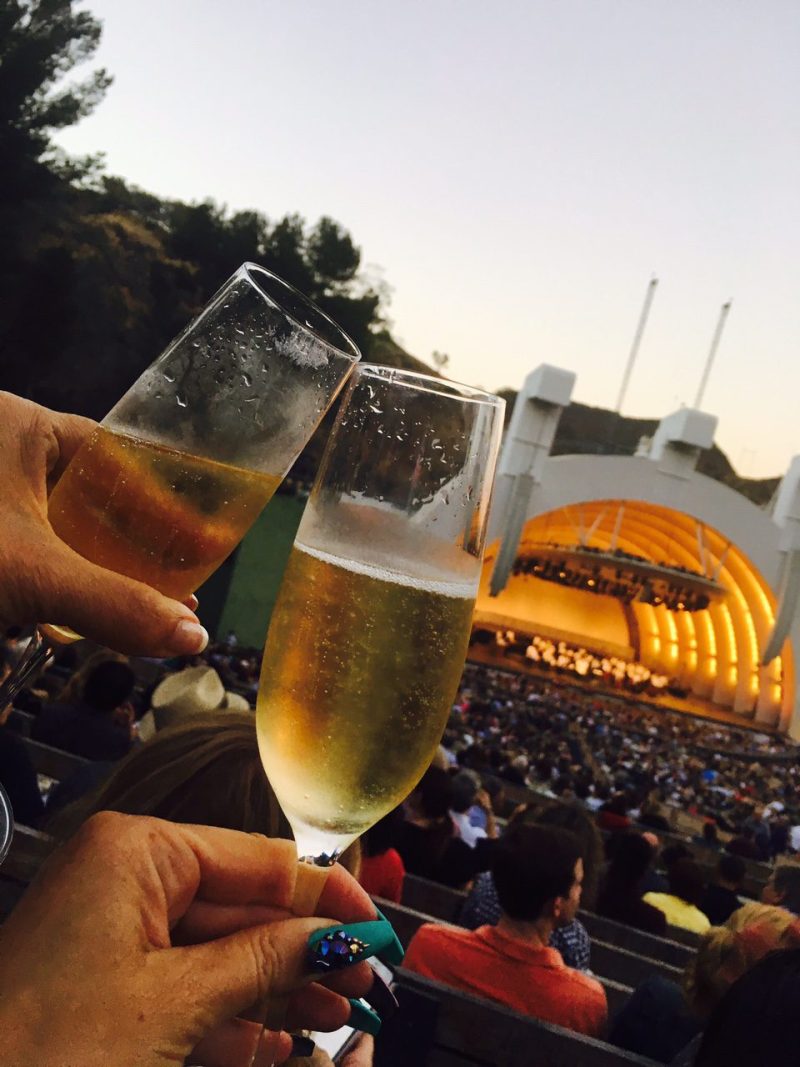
(368, 637)
(178, 471)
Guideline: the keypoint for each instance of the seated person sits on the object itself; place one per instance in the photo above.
(572, 940)
(721, 898)
(382, 871)
(614, 813)
(744, 845)
(783, 888)
(620, 895)
(467, 793)
(205, 770)
(709, 837)
(537, 871)
(427, 841)
(662, 1016)
(681, 904)
(757, 1022)
(99, 726)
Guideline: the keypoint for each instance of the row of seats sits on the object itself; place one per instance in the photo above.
(441, 1027)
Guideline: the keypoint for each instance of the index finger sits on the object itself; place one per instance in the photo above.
(239, 868)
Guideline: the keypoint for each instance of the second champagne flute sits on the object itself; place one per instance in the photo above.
(368, 637)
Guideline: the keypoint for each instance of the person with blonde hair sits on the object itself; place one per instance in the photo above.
(663, 1019)
(205, 771)
(727, 951)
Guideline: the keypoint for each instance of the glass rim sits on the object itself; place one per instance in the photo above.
(427, 383)
(345, 345)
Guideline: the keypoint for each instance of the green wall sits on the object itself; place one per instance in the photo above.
(258, 571)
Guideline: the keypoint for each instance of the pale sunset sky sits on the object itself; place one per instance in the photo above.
(515, 172)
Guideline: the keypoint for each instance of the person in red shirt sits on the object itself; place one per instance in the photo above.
(382, 870)
(537, 872)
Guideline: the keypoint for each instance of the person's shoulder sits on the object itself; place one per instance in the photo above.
(700, 921)
(438, 933)
(433, 943)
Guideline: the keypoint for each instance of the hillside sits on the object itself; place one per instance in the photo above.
(584, 429)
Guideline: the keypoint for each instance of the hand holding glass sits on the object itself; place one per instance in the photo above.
(175, 475)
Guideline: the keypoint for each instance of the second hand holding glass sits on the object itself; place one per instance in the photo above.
(175, 475)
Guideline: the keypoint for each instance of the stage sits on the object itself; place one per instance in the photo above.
(491, 656)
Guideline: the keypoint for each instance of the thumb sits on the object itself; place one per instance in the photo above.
(129, 616)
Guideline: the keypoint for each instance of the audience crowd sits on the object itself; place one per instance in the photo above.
(603, 779)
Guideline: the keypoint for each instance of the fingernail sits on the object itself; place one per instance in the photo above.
(302, 1046)
(394, 953)
(335, 947)
(381, 998)
(361, 1018)
(188, 637)
(192, 602)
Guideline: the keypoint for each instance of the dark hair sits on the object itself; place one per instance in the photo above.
(109, 685)
(435, 793)
(531, 866)
(686, 881)
(465, 786)
(493, 786)
(710, 832)
(630, 859)
(786, 880)
(757, 1021)
(383, 835)
(575, 818)
(732, 869)
(673, 853)
(206, 770)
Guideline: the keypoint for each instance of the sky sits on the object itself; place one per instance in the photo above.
(515, 173)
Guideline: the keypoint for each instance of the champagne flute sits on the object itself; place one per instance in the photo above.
(368, 637)
(178, 471)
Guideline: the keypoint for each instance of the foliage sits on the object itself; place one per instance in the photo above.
(96, 275)
(41, 41)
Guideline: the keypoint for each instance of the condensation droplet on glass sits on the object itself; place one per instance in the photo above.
(157, 396)
(239, 331)
(469, 493)
(247, 380)
(169, 376)
(376, 409)
(181, 400)
(219, 377)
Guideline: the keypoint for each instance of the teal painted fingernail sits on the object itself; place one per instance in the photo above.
(335, 947)
(394, 953)
(362, 1018)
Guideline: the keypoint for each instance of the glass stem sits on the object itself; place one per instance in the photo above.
(32, 661)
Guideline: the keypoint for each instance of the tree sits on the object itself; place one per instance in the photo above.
(332, 255)
(41, 41)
